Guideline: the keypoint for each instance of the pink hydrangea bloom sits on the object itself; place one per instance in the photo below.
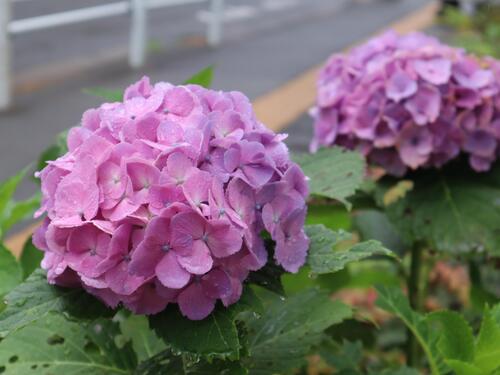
(409, 102)
(162, 199)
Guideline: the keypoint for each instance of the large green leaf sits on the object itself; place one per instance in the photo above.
(455, 341)
(167, 362)
(268, 277)
(334, 172)
(457, 346)
(322, 258)
(203, 78)
(35, 298)
(487, 356)
(394, 301)
(54, 345)
(446, 338)
(463, 368)
(452, 209)
(18, 211)
(135, 328)
(10, 271)
(54, 151)
(9, 211)
(8, 188)
(213, 337)
(12, 211)
(281, 338)
(31, 258)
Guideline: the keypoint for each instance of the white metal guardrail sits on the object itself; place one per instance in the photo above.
(137, 9)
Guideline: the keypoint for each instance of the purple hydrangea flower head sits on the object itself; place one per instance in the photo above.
(162, 198)
(409, 102)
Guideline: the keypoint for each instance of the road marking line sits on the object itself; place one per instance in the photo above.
(282, 106)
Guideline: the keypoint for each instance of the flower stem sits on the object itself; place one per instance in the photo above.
(415, 288)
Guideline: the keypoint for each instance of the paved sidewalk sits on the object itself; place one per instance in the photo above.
(255, 63)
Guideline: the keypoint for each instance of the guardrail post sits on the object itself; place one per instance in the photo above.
(215, 24)
(138, 33)
(5, 84)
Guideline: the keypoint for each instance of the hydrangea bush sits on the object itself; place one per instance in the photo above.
(162, 198)
(409, 102)
(429, 115)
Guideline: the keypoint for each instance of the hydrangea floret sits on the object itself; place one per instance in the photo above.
(409, 102)
(164, 198)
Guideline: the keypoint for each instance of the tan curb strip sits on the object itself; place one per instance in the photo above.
(282, 106)
(287, 103)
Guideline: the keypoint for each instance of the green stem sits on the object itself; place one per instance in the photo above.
(474, 273)
(416, 301)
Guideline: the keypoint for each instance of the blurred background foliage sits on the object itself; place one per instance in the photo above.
(478, 33)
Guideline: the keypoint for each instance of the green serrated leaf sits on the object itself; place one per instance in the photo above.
(456, 341)
(213, 337)
(30, 258)
(100, 92)
(135, 328)
(334, 172)
(54, 345)
(281, 338)
(167, 362)
(394, 301)
(35, 298)
(10, 271)
(463, 368)
(203, 78)
(487, 356)
(323, 259)
(452, 209)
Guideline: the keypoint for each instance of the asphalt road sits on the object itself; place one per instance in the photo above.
(168, 27)
(266, 43)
